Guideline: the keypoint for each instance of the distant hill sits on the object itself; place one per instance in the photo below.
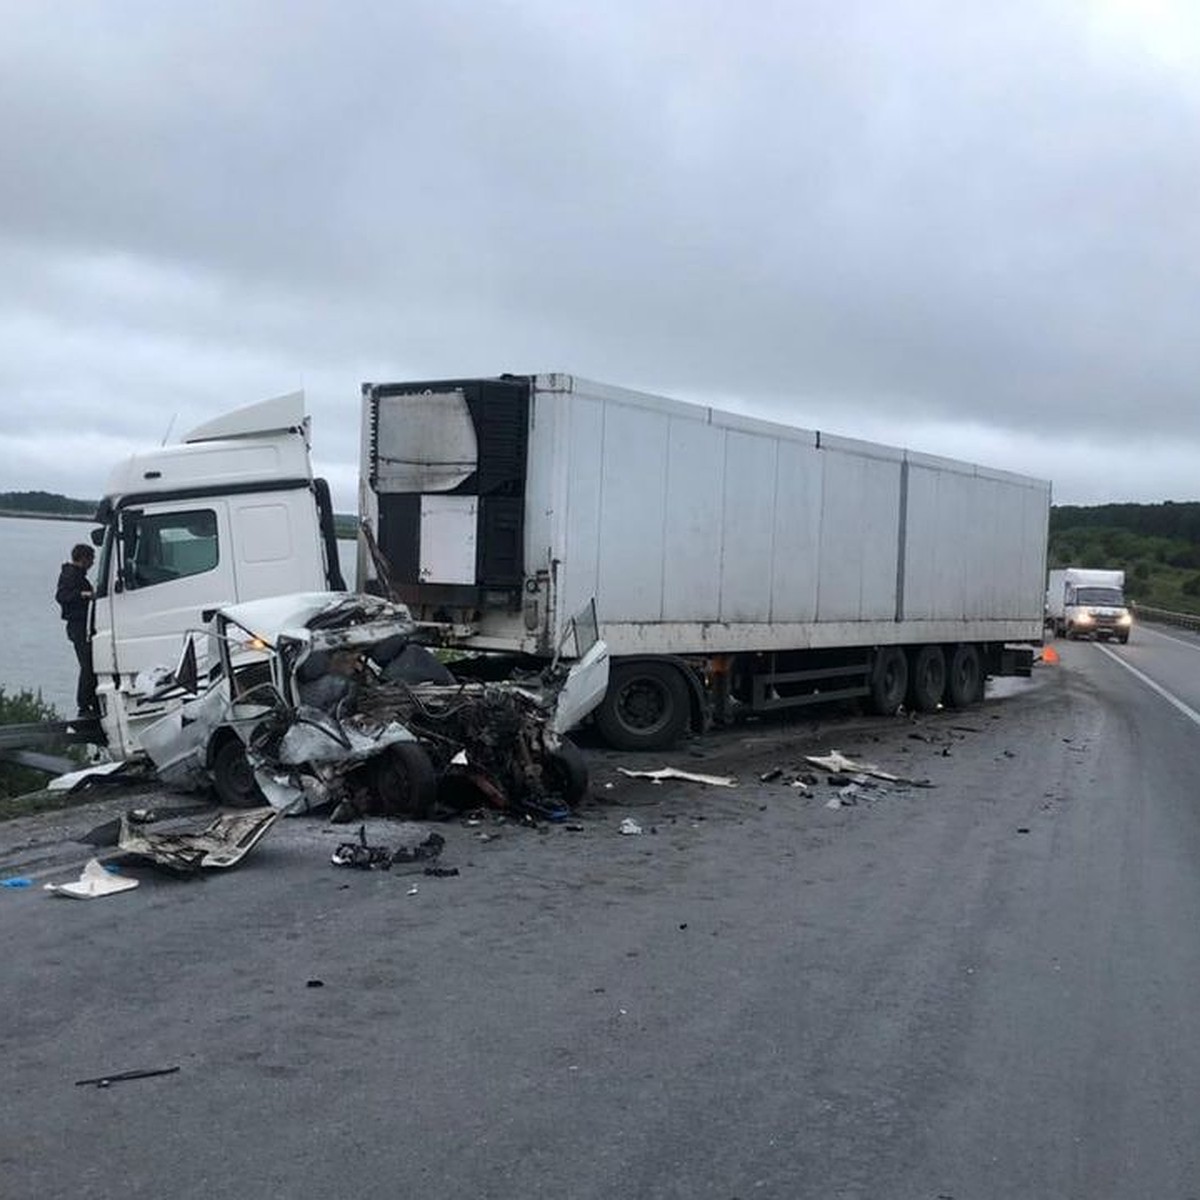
(1156, 545)
(49, 504)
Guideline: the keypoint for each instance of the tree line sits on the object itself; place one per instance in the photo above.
(1156, 545)
(50, 503)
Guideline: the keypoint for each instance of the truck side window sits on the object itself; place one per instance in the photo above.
(161, 547)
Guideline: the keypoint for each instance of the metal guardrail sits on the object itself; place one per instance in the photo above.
(1163, 616)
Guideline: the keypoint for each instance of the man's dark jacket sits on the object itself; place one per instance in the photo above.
(72, 583)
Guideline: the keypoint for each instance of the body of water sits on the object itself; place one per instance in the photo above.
(34, 651)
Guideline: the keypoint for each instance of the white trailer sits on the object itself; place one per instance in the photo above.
(733, 560)
(1088, 601)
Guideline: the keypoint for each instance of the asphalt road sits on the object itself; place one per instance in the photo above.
(985, 988)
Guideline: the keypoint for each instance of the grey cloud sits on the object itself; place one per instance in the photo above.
(891, 214)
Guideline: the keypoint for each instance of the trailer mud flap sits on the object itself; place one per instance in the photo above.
(1016, 660)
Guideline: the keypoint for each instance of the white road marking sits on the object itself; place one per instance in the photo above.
(1168, 637)
(1189, 712)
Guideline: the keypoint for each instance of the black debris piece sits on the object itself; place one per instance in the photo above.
(771, 775)
(429, 849)
(441, 872)
(102, 1081)
(314, 983)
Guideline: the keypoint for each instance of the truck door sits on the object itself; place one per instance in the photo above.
(166, 565)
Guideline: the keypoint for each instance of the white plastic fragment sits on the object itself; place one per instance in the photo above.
(630, 827)
(64, 783)
(837, 763)
(94, 881)
(673, 773)
(412, 891)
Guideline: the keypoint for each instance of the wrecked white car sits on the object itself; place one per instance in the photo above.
(329, 699)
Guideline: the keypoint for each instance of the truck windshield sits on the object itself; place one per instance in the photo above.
(1109, 596)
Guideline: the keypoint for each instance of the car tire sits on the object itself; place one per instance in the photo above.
(405, 781)
(232, 777)
(565, 773)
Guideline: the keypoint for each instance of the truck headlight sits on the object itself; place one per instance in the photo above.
(1125, 619)
(1084, 618)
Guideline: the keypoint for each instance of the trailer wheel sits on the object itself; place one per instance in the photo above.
(405, 781)
(889, 680)
(965, 683)
(927, 679)
(645, 708)
(566, 773)
(232, 777)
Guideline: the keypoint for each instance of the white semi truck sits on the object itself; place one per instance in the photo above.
(734, 562)
(1088, 602)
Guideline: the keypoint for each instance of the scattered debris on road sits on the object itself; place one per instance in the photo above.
(687, 776)
(629, 827)
(220, 844)
(836, 763)
(365, 857)
(95, 880)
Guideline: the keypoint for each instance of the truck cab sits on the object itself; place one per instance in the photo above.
(229, 514)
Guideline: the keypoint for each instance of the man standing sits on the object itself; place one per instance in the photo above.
(73, 594)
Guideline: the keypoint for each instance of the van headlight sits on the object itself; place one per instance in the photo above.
(1084, 618)
(1125, 619)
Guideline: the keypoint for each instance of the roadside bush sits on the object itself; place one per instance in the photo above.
(20, 708)
(1191, 587)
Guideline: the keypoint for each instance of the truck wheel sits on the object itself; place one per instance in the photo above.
(405, 781)
(889, 680)
(927, 679)
(565, 773)
(645, 708)
(965, 682)
(232, 777)
(1122, 638)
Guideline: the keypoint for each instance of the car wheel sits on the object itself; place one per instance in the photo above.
(565, 773)
(232, 777)
(405, 781)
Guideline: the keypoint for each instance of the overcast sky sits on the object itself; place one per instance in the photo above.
(969, 229)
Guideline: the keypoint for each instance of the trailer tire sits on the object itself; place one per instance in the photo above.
(405, 781)
(646, 706)
(965, 682)
(566, 773)
(232, 777)
(927, 679)
(889, 680)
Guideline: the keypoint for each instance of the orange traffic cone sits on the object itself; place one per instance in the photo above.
(1049, 654)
